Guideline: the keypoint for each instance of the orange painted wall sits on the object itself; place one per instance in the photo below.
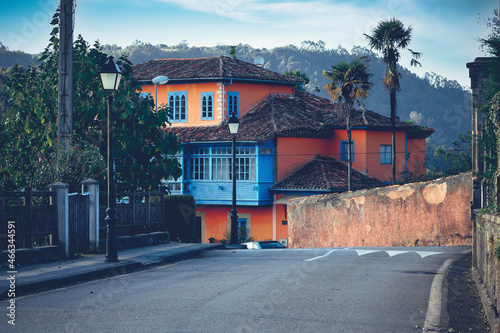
(360, 148)
(193, 102)
(383, 172)
(296, 152)
(416, 161)
(249, 95)
(216, 221)
(281, 215)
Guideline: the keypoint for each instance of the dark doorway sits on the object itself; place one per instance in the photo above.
(197, 231)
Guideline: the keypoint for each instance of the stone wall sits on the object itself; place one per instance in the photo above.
(485, 261)
(433, 213)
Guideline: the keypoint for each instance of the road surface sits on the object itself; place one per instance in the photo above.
(289, 290)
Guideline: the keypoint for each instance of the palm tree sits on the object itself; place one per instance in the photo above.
(389, 37)
(349, 83)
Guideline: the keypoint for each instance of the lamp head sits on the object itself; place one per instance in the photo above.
(160, 80)
(110, 75)
(234, 124)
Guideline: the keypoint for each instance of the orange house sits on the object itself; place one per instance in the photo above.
(290, 142)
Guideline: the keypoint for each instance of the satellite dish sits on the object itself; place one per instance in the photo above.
(259, 61)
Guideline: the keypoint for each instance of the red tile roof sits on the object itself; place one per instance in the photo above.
(300, 115)
(324, 174)
(213, 68)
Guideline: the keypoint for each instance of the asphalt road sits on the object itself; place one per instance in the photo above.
(319, 290)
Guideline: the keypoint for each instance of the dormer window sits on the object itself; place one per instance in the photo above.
(233, 103)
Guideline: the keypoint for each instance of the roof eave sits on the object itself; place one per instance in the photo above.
(224, 80)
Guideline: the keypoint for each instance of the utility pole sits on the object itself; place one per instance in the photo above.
(65, 114)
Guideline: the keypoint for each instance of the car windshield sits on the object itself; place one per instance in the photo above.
(270, 245)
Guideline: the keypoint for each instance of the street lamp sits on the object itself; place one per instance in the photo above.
(156, 81)
(234, 126)
(110, 78)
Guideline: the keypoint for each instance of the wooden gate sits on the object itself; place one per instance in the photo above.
(78, 216)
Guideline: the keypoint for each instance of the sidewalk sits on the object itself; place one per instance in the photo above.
(31, 278)
(466, 312)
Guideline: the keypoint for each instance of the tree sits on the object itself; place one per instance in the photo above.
(389, 37)
(349, 83)
(232, 51)
(453, 160)
(144, 151)
(298, 74)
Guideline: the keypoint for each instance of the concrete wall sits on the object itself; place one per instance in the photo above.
(421, 214)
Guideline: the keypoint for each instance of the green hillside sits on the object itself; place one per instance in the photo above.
(432, 101)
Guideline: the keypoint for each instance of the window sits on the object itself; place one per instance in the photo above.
(385, 154)
(207, 106)
(233, 103)
(175, 184)
(177, 101)
(343, 150)
(215, 163)
(221, 164)
(242, 230)
(174, 187)
(222, 168)
(265, 151)
(245, 163)
(199, 164)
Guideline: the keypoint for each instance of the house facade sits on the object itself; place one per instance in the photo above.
(290, 143)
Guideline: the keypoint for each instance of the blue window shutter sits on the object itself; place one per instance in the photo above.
(343, 150)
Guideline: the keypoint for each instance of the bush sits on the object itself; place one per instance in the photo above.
(81, 160)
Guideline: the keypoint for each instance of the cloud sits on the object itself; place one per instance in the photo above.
(443, 31)
(241, 10)
(273, 12)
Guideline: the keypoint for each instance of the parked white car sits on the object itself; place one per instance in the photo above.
(259, 245)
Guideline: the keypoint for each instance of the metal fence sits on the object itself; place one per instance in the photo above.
(78, 223)
(138, 213)
(33, 216)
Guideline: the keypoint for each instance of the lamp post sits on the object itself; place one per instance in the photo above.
(156, 81)
(234, 126)
(110, 78)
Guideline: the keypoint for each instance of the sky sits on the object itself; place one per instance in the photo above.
(446, 32)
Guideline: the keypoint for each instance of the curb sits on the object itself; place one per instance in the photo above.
(184, 255)
(54, 283)
(439, 322)
(436, 319)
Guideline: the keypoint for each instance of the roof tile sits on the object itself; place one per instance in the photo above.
(325, 174)
(215, 68)
(299, 115)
